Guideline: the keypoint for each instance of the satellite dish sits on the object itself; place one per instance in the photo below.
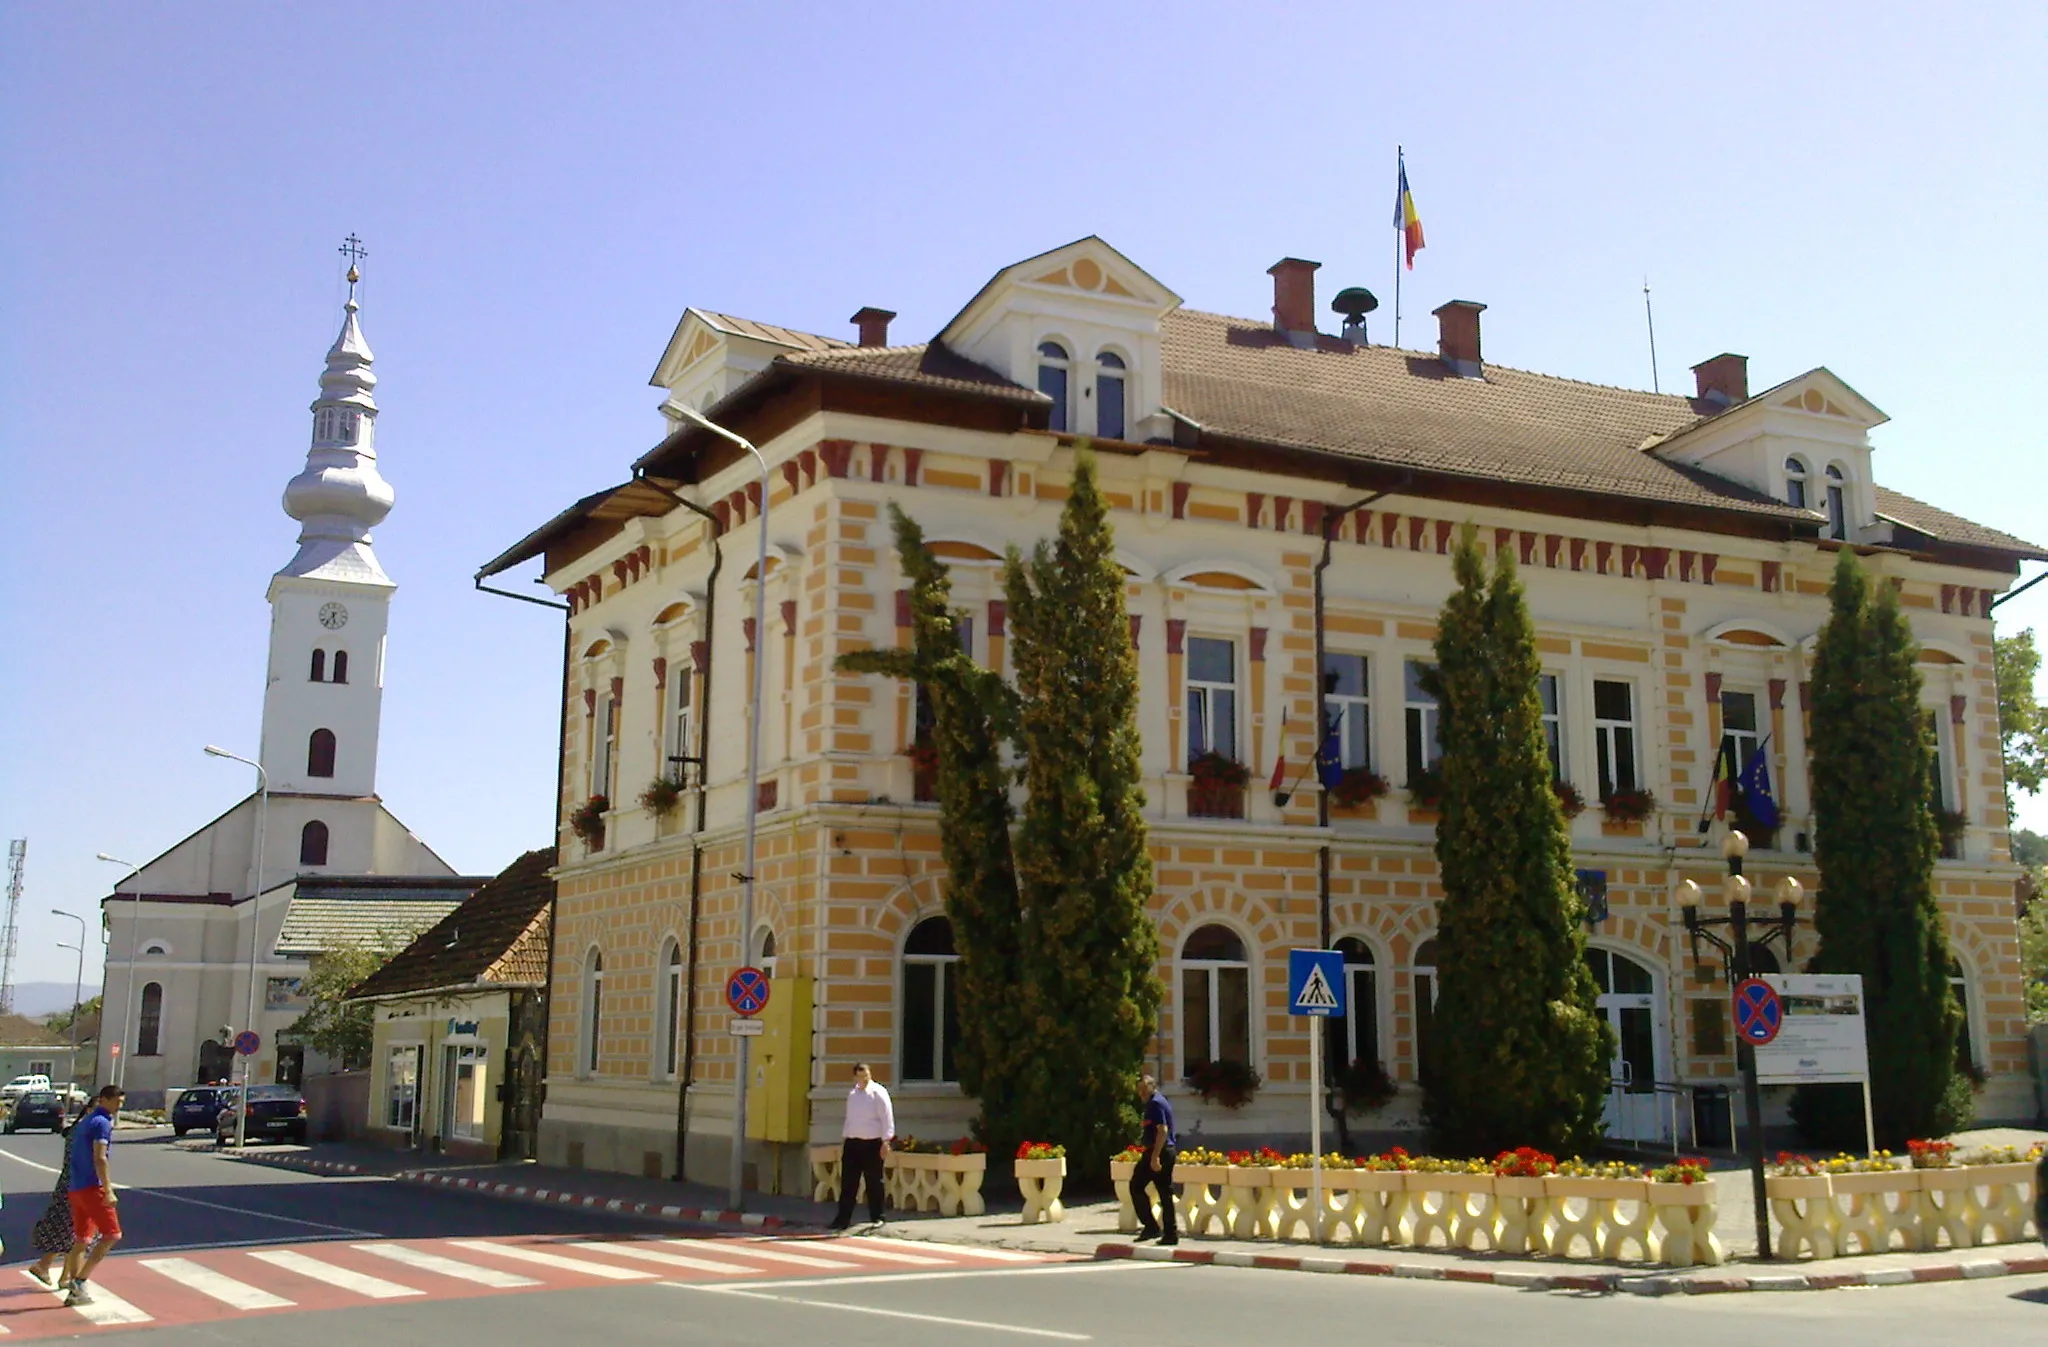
(1355, 302)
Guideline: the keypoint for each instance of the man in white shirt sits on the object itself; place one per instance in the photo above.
(870, 1125)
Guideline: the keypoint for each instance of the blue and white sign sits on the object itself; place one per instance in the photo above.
(1315, 982)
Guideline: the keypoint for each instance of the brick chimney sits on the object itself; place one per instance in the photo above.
(1457, 336)
(874, 326)
(1724, 379)
(1294, 299)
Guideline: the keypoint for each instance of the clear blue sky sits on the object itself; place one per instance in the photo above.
(544, 188)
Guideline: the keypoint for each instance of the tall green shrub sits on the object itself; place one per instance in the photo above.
(971, 708)
(1519, 1050)
(1090, 952)
(1875, 843)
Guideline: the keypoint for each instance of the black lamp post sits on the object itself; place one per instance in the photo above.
(1744, 934)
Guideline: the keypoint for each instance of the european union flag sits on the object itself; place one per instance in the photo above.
(1756, 790)
(1330, 752)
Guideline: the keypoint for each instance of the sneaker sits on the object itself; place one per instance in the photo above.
(79, 1295)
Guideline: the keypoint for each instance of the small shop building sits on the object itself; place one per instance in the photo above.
(460, 1024)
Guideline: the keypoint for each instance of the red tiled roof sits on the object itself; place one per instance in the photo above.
(928, 366)
(783, 336)
(499, 936)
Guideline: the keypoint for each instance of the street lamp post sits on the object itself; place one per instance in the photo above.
(77, 991)
(739, 1098)
(1736, 965)
(119, 1067)
(255, 922)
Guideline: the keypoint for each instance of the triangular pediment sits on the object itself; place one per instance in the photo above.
(702, 334)
(1085, 270)
(1820, 392)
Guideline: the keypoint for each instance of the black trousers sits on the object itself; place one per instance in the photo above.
(1160, 1182)
(860, 1161)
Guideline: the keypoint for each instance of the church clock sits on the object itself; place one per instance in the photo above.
(333, 616)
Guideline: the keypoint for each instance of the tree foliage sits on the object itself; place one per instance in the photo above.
(971, 712)
(1090, 951)
(2022, 720)
(1875, 843)
(1519, 1051)
(2034, 957)
(330, 1025)
(87, 1012)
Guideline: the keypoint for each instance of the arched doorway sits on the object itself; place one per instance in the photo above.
(1630, 1001)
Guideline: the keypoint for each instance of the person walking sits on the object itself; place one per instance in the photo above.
(1155, 1165)
(870, 1126)
(52, 1235)
(95, 1222)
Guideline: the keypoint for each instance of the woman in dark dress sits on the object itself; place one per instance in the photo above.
(52, 1236)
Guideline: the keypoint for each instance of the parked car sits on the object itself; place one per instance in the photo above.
(196, 1109)
(274, 1111)
(38, 1108)
(21, 1085)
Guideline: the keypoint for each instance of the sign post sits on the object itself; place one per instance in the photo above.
(1315, 988)
(1822, 1039)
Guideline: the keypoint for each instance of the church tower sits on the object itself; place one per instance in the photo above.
(323, 699)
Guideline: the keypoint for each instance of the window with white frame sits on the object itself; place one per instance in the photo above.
(1795, 481)
(39, 1066)
(764, 949)
(1354, 1036)
(1109, 395)
(1941, 767)
(964, 628)
(1966, 1042)
(604, 745)
(471, 1077)
(592, 1035)
(931, 1020)
(402, 1087)
(1215, 999)
(1212, 697)
(1053, 368)
(1838, 507)
(1614, 734)
(680, 744)
(671, 1010)
(1741, 736)
(1420, 713)
(1422, 977)
(1347, 702)
(1549, 692)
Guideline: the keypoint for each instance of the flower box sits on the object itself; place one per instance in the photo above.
(947, 1184)
(1040, 1182)
(1564, 1186)
(1685, 1215)
(1621, 827)
(1796, 1187)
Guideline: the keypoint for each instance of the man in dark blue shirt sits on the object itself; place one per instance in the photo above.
(95, 1222)
(1155, 1166)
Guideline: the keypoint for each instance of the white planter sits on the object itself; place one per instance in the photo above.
(1040, 1182)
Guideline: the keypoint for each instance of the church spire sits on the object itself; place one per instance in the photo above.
(339, 496)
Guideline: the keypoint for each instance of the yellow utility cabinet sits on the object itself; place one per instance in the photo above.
(779, 1095)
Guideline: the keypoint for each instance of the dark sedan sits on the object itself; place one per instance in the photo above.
(196, 1109)
(38, 1108)
(274, 1111)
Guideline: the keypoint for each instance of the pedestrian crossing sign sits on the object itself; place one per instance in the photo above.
(1315, 982)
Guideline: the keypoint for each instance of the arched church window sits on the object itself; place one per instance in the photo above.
(319, 666)
(340, 666)
(313, 843)
(320, 753)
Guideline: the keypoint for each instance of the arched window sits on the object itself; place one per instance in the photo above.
(1109, 395)
(156, 947)
(1795, 481)
(340, 666)
(1215, 999)
(1052, 381)
(313, 843)
(1966, 1042)
(1356, 1036)
(319, 667)
(931, 1021)
(671, 1010)
(593, 1010)
(149, 1032)
(764, 950)
(1838, 509)
(320, 753)
(1423, 978)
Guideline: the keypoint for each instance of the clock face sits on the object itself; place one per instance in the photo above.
(333, 616)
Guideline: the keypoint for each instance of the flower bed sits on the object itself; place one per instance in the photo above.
(1850, 1204)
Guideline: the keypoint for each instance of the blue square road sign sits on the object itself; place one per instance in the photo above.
(1315, 982)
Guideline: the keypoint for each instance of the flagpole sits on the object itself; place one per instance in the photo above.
(1400, 234)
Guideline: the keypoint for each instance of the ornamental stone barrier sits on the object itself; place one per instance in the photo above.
(949, 1185)
(1912, 1210)
(1040, 1181)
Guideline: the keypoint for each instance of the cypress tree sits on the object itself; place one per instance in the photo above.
(971, 708)
(1875, 843)
(1090, 952)
(1519, 1051)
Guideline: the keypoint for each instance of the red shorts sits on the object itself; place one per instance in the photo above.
(92, 1214)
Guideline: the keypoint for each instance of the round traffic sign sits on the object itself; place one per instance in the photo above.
(746, 991)
(1758, 1012)
(247, 1042)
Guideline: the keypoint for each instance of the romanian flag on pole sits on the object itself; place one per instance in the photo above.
(1405, 218)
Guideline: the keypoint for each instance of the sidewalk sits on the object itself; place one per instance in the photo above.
(1089, 1231)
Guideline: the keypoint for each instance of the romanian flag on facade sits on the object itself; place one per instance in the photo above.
(1405, 218)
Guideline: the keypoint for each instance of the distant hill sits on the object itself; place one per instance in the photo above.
(37, 999)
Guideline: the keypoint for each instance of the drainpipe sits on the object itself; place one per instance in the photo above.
(689, 1025)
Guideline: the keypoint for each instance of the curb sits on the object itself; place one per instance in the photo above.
(521, 1193)
(1609, 1282)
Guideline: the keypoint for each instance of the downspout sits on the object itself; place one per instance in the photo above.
(689, 1065)
(547, 999)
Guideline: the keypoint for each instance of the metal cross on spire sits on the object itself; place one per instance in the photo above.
(352, 248)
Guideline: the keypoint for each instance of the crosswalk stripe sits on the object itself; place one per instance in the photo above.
(635, 1249)
(964, 1250)
(856, 1246)
(348, 1279)
(217, 1285)
(739, 1250)
(447, 1267)
(554, 1260)
(106, 1310)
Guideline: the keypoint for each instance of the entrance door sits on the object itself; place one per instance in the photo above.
(1628, 998)
(447, 1109)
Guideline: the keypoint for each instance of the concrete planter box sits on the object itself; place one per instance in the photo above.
(1453, 1211)
(1875, 1211)
(947, 1184)
(1040, 1182)
(1685, 1215)
(1591, 1210)
(1521, 1208)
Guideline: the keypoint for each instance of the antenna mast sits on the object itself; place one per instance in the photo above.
(1651, 319)
(17, 860)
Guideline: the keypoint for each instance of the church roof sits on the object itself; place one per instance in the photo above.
(327, 913)
(498, 937)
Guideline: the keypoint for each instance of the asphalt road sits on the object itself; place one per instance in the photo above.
(178, 1200)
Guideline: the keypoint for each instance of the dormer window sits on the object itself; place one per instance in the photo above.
(1838, 510)
(1109, 395)
(1052, 381)
(1795, 482)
